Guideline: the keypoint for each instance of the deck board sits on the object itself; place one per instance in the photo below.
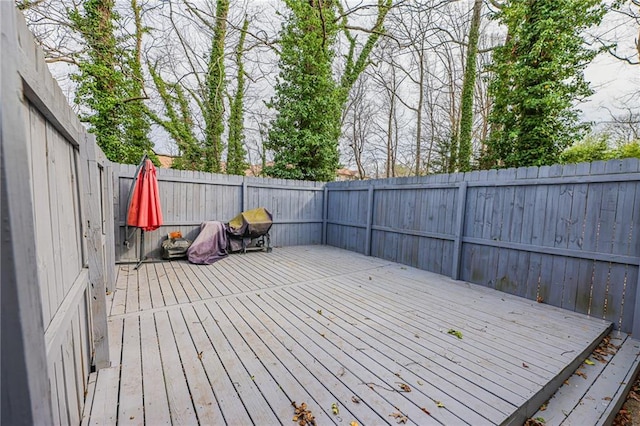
(237, 341)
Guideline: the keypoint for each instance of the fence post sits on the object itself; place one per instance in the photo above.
(109, 225)
(367, 247)
(457, 243)
(95, 252)
(325, 211)
(635, 331)
(245, 197)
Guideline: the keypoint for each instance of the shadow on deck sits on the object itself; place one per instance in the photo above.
(237, 341)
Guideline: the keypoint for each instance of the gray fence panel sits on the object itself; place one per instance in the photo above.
(563, 235)
(189, 198)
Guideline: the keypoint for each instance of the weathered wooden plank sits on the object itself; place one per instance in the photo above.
(413, 341)
(621, 369)
(200, 390)
(338, 373)
(104, 409)
(156, 404)
(130, 398)
(166, 289)
(254, 401)
(42, 218)
(178, 394)
(359, 367)
(293, 380)
(74, 396)
(91, 387)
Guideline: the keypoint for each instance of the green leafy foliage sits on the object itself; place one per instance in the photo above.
(109, 85)
(178, 123)
(236, 164)
(597, 147)
(214, 104)
(468, 85)
(537, 77)
(309, 101)
(304, 135)
(456, 333)
(592, 148)
(627, 150)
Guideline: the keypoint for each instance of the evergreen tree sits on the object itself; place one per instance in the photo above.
(304, 135)
(537, 78)
(235, 148)
(309, 101)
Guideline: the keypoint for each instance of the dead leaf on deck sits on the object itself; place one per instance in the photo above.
(405, 387)
(424, 410)
(606, 398)
(354, 423)
(539, 299)
(302, 415)
(581, 374)
(355, 399)
(589, 362)
(420, 383)
(200, 355)
(319, 311)
(525, 365)
(439, 404)
(400, 418)
(334, 409)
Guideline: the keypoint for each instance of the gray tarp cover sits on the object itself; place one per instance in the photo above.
(210, 245)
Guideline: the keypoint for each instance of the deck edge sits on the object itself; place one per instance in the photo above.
(532, 405)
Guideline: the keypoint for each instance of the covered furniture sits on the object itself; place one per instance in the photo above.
(250, 231)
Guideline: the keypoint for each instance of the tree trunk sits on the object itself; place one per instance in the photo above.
(468, 85)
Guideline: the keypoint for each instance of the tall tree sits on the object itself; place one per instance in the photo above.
(107, 85)
(468, 85)
(309, 101)
(136, 120)
(305, 132)
(214, 104)
(537, 78)
(235, 148)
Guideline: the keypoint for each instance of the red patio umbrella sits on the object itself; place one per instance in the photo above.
(144, 207)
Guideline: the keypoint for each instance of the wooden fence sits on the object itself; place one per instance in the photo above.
(57, 229)
(565, 235)
(190, 198)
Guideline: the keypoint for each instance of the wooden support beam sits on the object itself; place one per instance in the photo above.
(325, 213)
(245, 196)
(92, 194)
(459, 230)
(367, 246)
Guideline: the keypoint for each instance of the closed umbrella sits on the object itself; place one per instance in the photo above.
(144, 207)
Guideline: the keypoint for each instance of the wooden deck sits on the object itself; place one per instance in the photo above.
(237, 341)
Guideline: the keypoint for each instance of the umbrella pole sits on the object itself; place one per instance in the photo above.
(141, 257)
